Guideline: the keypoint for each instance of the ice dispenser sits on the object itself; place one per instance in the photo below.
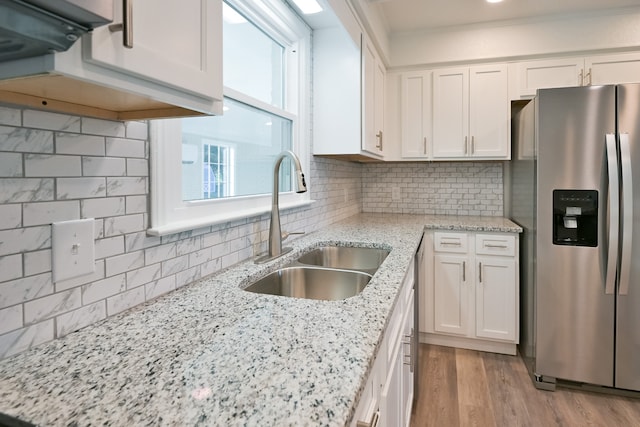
(575, 217)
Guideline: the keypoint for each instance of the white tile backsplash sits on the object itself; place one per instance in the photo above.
(11, 216)
(104, 166)
(52, 121)
(25, 289)
(37, 262)
(76, 319)
(131, 267)
(45, 308)
(101, 289)
(48, 212)
(10, 116)
(43, 165)
(10, 319)
(78, 144)
(25, 140)
(80, 188)
(10, 165)
(102, 127)
(98, 208)
(22, 240)
(10, 267)
(121, 147)
(126, 186)
(22, 339)
(14, 190)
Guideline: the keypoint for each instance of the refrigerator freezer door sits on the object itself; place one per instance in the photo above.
(627, 374)
(575, 317)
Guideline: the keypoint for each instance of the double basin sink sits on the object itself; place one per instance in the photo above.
(326, 273)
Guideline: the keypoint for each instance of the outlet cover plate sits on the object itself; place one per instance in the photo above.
(73, 249)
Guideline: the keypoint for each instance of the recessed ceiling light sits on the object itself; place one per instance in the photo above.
(308, 7)
(494, 1)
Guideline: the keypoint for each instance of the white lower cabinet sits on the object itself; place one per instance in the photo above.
(388, 395)
(470, 294)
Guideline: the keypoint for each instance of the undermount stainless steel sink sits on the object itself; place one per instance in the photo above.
(312, 283)
(361, 259)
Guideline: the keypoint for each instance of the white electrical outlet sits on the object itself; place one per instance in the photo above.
(73, 249)
(395, 193)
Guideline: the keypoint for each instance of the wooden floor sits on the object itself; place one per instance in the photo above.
(471, 388)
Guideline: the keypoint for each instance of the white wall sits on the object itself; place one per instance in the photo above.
(616, 29)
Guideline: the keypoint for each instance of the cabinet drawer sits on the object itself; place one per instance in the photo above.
(491, 244)
(450, 242)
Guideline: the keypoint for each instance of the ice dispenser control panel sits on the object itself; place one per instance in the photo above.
(575, 217)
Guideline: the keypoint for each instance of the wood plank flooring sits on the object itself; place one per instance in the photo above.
(460, 388)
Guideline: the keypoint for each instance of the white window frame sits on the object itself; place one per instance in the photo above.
(169, 213)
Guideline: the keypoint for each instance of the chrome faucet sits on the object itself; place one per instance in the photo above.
(275, 232)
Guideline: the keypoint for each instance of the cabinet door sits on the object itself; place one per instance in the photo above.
(613, 69)
(450, 112)
(408, 366)
(534, 75)
(451, 308)
(489, 112)
(178, 44)
(390, 398)
(373, 95)
(416, 114)
(496, 298)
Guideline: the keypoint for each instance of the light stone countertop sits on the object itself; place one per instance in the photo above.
(213, 354)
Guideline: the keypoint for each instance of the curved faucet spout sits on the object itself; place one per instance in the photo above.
(275, 232)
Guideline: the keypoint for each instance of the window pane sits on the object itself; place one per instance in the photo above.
(234, 154)
(253, 62)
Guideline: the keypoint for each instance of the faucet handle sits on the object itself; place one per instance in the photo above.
(286, 234)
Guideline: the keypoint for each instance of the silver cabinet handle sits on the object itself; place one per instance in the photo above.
(379, 137)
(126, 26)
(373, 423)
(466, 145)
(627, 214)
(490, 245)
(450, 243)
(581, 76)
(409, 342)
(480, 271)
(614, 213)
(464, 271)
(425, 145)
(589, 77)
(473, 144)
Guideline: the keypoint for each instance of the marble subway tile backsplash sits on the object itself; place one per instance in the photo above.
(440, 188)
(56, 167)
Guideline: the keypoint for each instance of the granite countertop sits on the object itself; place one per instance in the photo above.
(213, 354)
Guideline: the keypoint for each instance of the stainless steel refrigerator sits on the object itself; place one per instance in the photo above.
(575, 189)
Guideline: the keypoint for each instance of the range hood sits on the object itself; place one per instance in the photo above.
(37, 27)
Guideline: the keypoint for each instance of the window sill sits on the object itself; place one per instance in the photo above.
(181, 226)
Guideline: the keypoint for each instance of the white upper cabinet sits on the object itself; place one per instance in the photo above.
(170, 45)
(489, 111)
(613, 69)
(348, 96)
(534, 75)
(415, 113)
(450, 112)
(373, 75)
(577, 71)
(471, 113)
(174, 67)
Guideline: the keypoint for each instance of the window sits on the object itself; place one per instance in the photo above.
(227, 161)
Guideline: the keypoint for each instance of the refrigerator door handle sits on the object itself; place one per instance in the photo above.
(614, 213)
(627, 214)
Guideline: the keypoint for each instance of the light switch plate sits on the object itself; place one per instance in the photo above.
(73, 249)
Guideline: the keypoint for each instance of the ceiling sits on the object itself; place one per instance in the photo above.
(420, 15)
